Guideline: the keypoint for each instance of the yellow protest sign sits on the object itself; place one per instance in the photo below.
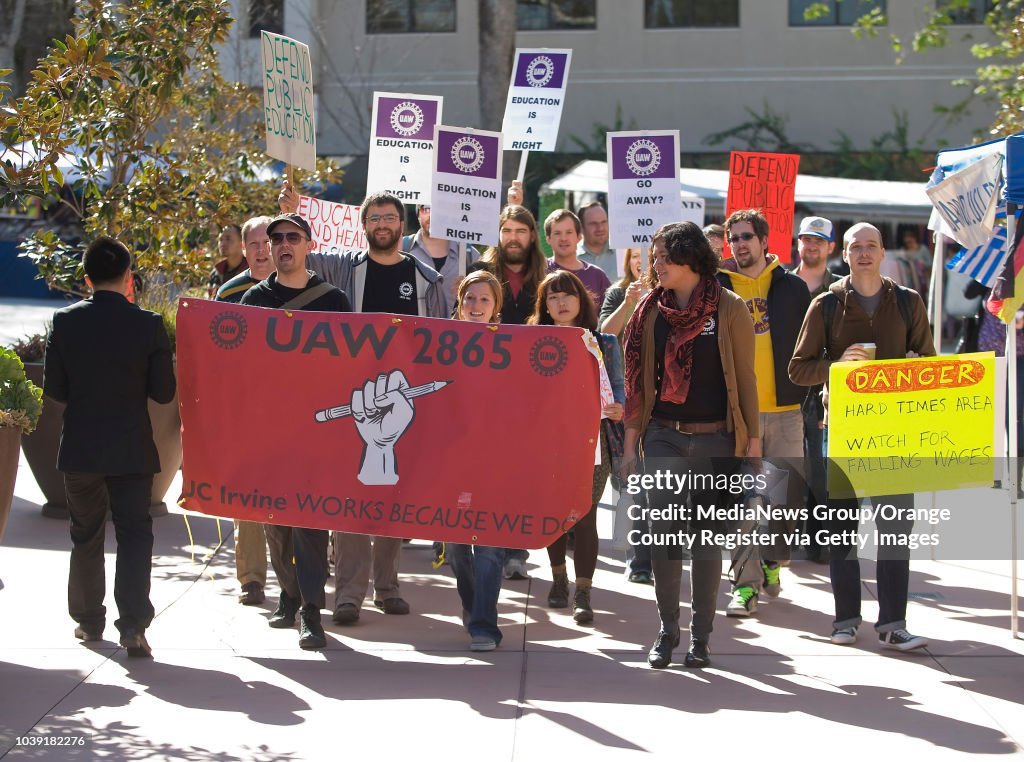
(915, 425)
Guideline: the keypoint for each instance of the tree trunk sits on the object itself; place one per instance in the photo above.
(497, 46)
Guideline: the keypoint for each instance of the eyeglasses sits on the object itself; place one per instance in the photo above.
(388, 219)
(291, 237)
(741, 237)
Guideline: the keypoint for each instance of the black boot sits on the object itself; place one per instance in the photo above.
(284, 617)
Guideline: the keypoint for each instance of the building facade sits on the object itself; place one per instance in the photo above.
(701, 66)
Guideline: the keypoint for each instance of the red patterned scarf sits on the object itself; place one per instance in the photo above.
(684, 326)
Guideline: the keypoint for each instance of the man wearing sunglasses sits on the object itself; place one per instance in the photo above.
(778, 301)
(292, 286)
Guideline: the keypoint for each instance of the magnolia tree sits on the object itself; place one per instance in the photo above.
(128, 128)
(999, 79)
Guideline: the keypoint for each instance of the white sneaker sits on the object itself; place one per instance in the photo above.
(844, 636)
(901, 640)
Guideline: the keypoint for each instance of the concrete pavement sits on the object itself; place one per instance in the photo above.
(223, 686)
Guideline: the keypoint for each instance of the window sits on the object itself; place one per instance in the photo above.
(831, 12)
(556, 14)
(266, 15)
(684, 13)
(966, 11)
(390, 16)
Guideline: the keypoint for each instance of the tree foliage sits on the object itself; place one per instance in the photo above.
(157, 148)
(999, 79)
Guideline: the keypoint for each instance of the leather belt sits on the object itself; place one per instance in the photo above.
(684, 427)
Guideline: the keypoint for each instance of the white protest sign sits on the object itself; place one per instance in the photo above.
(966, 201)
(466, 187)
(693, 210)
(336, 228)
(535, 97)
(643, 185)
(402, 144)
(288, 100)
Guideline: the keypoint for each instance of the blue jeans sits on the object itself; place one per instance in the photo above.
(478, 574)
(893, 570)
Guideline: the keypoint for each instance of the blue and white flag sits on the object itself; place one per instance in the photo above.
(983, 263)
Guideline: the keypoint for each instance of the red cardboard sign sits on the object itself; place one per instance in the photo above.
(767, 182)
(404, 427)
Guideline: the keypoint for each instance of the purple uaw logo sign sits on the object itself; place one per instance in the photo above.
(651, 157)
(406, 118)
(545, 70)
(467, 154)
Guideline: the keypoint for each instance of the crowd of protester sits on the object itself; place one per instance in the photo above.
(715, 364)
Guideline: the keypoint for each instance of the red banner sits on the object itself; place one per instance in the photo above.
(765, 181)
(404, 427)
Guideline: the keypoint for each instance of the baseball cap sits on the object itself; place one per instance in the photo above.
(816, 226)
(293, 218)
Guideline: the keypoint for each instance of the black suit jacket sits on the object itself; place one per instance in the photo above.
(105, 357)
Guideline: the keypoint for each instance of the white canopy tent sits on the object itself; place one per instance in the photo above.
(833, 197)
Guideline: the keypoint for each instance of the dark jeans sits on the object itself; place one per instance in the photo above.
(127, 497)
(478, 573)
(817, 481)
(667, 449)
(892, 566)
(299, 558)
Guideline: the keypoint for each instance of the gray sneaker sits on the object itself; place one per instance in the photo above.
(515, 568)
(482, 643)
(844, 636)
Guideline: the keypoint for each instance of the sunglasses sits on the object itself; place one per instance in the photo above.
(741, 237)
(291, 237)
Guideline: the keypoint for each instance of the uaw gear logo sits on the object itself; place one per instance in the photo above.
(467, 154)
(405, 290)
(548, 356)
(407, 119)
(539, 71)
(709, 327)
(643, 157)
(228, 330)
(759, 312)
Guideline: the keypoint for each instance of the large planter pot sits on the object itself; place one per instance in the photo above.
(40, 449)
(10, 448)
(166, 421)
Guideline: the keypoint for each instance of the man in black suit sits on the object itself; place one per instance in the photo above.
(104, 358)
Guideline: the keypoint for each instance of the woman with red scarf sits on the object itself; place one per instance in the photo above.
(691, 410)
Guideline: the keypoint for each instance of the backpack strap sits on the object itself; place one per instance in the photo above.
(903, 302)
(828, 312)
(307, 296)
(407, 243)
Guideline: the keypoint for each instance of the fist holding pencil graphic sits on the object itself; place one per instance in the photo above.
(382, 410)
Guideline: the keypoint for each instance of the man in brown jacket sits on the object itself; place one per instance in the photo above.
(867, 310)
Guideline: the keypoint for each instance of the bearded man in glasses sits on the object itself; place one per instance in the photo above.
(778, 301)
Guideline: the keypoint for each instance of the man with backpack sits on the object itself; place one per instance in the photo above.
(842, 324)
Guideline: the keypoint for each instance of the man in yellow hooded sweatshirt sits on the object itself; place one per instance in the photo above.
(778, 301)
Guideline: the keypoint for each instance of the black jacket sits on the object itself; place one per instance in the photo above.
(788, 300)
(106, 358)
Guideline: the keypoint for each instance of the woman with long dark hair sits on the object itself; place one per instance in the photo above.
(563, 300)
(691, 409)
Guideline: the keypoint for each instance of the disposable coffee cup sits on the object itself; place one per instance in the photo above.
(869, 350)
